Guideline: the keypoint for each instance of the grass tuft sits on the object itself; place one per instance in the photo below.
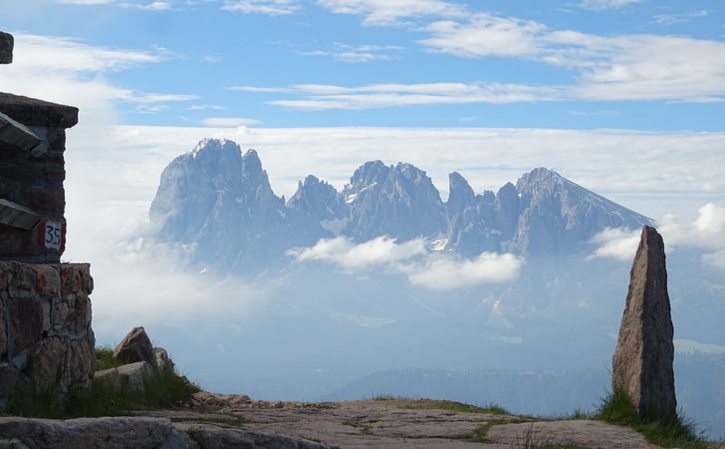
(164, 389)
(669, 432)
(105, 359)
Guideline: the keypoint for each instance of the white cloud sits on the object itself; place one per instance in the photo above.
(393, 12)
(86, 2)
(672, 19)
(485, 35)
(205, 107)
(444, 272)
(599, 5)
(617, 243)
(267, 7)
(325, 97)
(71, 72)
(229, 122)
(361, 53)
(153, 6)
(422, 268)
(706, 232)
(212, 59)
(350, 256)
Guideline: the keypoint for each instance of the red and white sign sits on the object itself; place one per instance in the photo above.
(51, 235)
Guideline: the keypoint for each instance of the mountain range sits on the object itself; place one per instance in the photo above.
(219, 200)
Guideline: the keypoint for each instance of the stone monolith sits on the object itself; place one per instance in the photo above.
(642, 362)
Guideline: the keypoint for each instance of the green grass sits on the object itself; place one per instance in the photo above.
(102, 399)
(491, 409)
(105, 359)
(670, 432)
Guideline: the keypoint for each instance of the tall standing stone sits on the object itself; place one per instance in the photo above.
(642, 362)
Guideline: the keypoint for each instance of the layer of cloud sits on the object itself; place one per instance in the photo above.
(228, 122)
(360, 53)
(672, 19)
(69, 71)
(325, 97)
(446, 272)
(393, 12)
(706, 232)
(350, 256)
(422, 268)
(266, 7)
(599, 5)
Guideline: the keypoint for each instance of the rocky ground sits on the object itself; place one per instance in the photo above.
(215, 421)
(422, 424)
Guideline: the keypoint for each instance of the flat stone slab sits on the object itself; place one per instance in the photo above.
(33, 112)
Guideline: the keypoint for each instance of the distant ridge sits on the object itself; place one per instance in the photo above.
(218, 199)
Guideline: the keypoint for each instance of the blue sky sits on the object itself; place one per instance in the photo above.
(574, 64)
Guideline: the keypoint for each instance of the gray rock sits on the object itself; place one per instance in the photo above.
(163, 361)
(213, 437)
(12, 444)
(131, 375)
(88, 433)
(6, 48)
(179, 440)
(136, 347)
(642, 362)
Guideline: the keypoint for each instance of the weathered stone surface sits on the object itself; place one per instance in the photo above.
(163, 361)
(642, 362)
(136, 347)
(3, 327)
(32, 112)
(45, 333)
(139, 433)
(85, 433)
(12, 444)
(132, 375)
(7, 42)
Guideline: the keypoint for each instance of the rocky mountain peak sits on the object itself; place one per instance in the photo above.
(221, 200)
(460, 194)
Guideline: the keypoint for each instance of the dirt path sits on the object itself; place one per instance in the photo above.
(404, 424)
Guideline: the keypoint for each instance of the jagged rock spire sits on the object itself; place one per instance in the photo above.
(642, 362)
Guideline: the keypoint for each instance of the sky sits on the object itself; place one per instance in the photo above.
(625, 97)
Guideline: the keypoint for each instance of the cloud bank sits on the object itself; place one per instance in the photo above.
(423, 268)
(706, 232)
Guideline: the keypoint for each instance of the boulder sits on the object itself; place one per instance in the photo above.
(136, 347)
(642, 362)
(131, 375)
(163, 361)
(88, 433)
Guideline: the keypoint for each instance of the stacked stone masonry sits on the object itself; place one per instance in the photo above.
(46, 339)
(33, 178)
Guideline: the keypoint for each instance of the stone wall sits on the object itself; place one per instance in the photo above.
(33, 178)
(46, 339)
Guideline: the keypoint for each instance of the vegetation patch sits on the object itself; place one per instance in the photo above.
(105, 359)
(670, 432)
(491, 409)
(161, 390)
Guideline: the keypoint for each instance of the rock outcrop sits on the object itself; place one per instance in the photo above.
(642, 363)
(136, 347)
(137, 433)
(46, 339)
